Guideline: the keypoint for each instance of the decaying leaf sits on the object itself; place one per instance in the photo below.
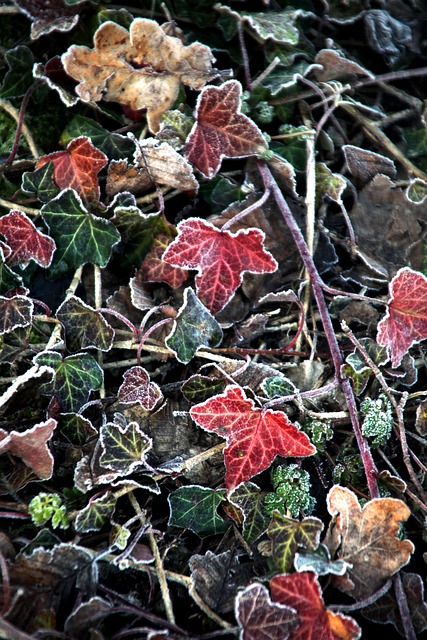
(139, 68)
(254, 437)
(368, 540)
(221, 131)
(405, 322)
(31, 447)
(154, 163)
(55, 15)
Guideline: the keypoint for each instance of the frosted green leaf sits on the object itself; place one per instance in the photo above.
(40, 183)
(249, 498)
(84, 326)
(96, 514)
(74, 378)
(194, 327)
(80, 236)
(195, 508)
(320, 562)
(114, 145)
(417, 191)
(124, 447)
(20, 75)
(288, 535)
(199, 388)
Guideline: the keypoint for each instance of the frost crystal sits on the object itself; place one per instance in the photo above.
(292, 491)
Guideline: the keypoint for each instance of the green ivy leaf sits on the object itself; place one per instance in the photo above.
(19, 77)
(417, 191)
(85, 327)
(76, 428)
(194, 327)
(114, 145)
(277, 387)
(249, 498)
(80, 236)
(40, 183)
(138, 231)
(74, 378)
(287, 535)
(123, 447)
(195, 508)
(199, 388)
(96, 514)
(8, 279)
(377, 354)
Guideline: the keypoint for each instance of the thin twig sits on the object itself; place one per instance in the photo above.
(22, 127)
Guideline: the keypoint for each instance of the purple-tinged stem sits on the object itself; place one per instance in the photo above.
(316, 283)
(125, 321)
(24, 103)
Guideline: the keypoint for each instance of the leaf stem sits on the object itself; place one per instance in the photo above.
(253, 207)
(365, 452)
(16, 115)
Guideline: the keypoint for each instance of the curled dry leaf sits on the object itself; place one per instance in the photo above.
(31, 447)
(154, 163)
(142, 68)
(368, 540)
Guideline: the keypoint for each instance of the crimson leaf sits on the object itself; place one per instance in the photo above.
(16, 311)
(221, 131)
(25, 241)
(137, 387)
(254, 437)
(405, 322)
(221, 258)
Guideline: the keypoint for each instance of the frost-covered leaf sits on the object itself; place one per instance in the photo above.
(73, 380)
(221, 131)
(138, 231)
(55, 15)
(31, 447)
(320, 562)
(221, 258)
(80, 236)
(25, 240)
(194, 327)
(199, 388)
(97, 513)
(84, 326)
(405, 322)
(139, 68)
(249, 498)
(195, 508)
(278, 26)
(261, 619)
(375, 352)
(19, 76)
(288, 535)
(254, 437)
(302, 592)
(124, 448)
(329, 184)
(9, 280)
(41, 183)
(155, 269)
(77, 168)
(16, 311)
(87, 615)
(364, 164)
(333, 65)
(137, 387)
(154, 163)
(417, 191)
(368, 539)
(53, 74)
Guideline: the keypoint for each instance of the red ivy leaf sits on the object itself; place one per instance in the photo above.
(221, 131)
(254, 437)
(405, 322)
(77, 168)
(16, 311)
(302, 592)
(221, 258)
(154, 269)
(137, 387)
(31, 447)
(262, 619)
(25, 241)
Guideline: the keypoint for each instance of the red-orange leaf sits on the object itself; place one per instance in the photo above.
(302, 592)
(77, 167)
(25, 241)
(405, 322)
(221, 131)
(221, 257)
(154, 269)
(254, 437)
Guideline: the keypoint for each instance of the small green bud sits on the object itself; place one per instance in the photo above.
(378, 420)
(48, 506)
(292, 491)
